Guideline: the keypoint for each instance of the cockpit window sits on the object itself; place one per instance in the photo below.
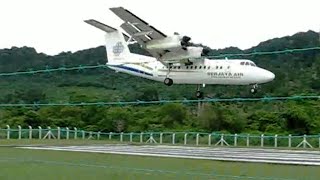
(252, 64)
(242, 63)
(247, 63)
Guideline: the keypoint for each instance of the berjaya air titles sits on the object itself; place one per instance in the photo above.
(175, 59)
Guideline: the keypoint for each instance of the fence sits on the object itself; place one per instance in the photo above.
(175, 138)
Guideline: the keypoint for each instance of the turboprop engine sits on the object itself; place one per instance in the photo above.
(189, 53)
(172, 42)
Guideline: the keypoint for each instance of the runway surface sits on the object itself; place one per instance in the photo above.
(296, 157)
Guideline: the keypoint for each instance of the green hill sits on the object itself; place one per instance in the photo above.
(296, 74)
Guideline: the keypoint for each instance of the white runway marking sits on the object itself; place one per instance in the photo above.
(296, 157)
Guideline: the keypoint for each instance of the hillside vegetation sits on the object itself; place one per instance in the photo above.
(296, 74)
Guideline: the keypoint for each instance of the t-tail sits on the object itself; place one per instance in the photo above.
(116, 45)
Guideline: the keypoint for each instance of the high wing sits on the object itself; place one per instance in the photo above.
(165, 49)
(138, 29)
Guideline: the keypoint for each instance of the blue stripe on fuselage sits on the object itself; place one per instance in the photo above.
(131, 69)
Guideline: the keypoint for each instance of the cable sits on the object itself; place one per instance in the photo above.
(266, 53)
(263, 99)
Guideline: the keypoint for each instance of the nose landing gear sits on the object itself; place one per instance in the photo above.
(254, 89)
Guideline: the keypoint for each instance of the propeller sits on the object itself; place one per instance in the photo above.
(185, 41)
(205, 52)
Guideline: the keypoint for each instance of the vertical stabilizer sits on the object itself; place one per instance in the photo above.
(116, 46)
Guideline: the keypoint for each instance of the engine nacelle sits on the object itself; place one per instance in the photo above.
(172, 42)
(191, 52)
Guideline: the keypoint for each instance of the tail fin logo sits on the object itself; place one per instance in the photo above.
(118, 49)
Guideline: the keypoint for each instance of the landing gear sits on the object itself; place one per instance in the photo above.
(168, 81)
(199, 94)
(254, 89)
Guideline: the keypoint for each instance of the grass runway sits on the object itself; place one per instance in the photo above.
(43, 164)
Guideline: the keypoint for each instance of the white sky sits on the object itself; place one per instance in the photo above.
(57, 25)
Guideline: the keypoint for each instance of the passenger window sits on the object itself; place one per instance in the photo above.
(174, 67)
(187, 67)
(220, 67)
(195, 67)
(190, 67)
(208, 67)
(242, 63)
(228, 67)
(199, 67)
(217, 67)
(178, 67)
(204, 67)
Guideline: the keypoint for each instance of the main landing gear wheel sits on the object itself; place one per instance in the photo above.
(168, 81)
(254, 89)
(199, 94)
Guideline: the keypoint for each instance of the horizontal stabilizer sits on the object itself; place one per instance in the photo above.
(103, 27)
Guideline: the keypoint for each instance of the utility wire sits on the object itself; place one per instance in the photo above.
(212, 100)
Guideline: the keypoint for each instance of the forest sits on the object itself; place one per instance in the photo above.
(297, 74)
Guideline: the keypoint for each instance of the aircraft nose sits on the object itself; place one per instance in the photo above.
(269, 76)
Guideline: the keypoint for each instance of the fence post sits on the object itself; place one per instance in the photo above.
(75, 133)
(8, 132)
(30, 132)
(262, 140)
(83, 134)
(197, 140)
(185, 138)
(209, 139)
(19, 132)
(59, 133)
(99, 135)
(173, 138)
(141, 137)
(289, 141)
(121, 137)
(304, 140)
(40, 132)
(49, 131)
(131, 137)
(110, 135)
(67, 133)
(248, 141)
(319, 140)
(235, 140)
(161, 134)
(276, 140)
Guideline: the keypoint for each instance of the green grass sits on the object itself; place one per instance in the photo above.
(18, 163)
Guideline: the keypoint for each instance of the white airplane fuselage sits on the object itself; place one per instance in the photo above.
(220, 72)
(173, 58)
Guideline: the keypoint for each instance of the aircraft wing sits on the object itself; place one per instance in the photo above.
(140, 30)
(134, 24)
(146, 35)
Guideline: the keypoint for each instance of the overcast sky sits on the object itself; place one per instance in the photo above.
(53, 26)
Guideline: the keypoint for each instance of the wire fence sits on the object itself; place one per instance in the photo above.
(186, 101)
(173, 138)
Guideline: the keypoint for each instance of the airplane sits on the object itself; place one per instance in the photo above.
(174, 59)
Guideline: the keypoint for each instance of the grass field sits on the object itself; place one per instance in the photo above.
(39, 164)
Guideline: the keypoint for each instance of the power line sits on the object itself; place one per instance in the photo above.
(212, 100)
(265, 53)
(82, 67)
